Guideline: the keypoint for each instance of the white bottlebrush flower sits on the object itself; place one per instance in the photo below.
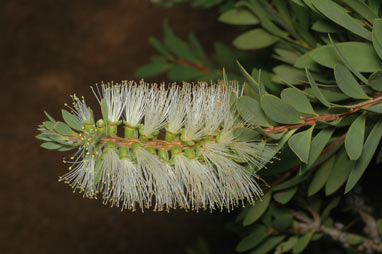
(81, 176)
(135, 96)
(80, 109)
(178, 98)
(157, 106)
(161, 181)
(113, 94)
(200, 165)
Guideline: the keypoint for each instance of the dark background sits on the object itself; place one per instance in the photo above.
(49, 50)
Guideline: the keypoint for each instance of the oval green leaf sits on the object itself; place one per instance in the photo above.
(355, 137)
(285, 196)
(71, 120)
(279, 111)
(258, 234)
(360, 55)
(317, 145)
(238, 16)
(340, 172)
(251, 112)
(302, 242)
(257, 210)
(268, 244)
(375, 81)
(370, 147)
(377, 36)
(317, 92)
(321, 176)
(254, 39)
(297, 100)
(51, 145)
(153, 69)
(62, 128)
(347, 83)
(340, 16)
(300, 144)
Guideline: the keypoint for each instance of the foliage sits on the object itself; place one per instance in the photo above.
(320, 105)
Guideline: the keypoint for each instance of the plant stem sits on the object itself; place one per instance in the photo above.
(325, 117)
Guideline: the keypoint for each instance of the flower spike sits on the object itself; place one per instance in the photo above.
(179, 148)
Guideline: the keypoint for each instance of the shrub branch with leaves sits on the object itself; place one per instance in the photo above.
(319, 102)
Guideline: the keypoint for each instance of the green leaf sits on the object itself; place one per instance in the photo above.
(250, 111)
(303, 242)
(370, 147)
(317, 145)
(360, 55)
(347, 63)
(375, 81)
(153, 69)
(274, 149)
(254, 39)
(300, 144)
(71, 120)
(285, 196)
(285, 73)
(377, 36)
(355, 239)
(51, 145)
(297, 100)
(362, 9)
(182, 72)
(258, 235)
(49, 117)
(305, 61)
(104, 110)
(355, 137)
(339, 174)
(160, 48)
(177, 46)
(316, 90)
(321, 176)
(279, 111)
(347, 83)
(340, 16)
(324, 26)
(238, 16)
(268, 244)
(292, 182)
(62, 128)
(282, 222)
(251, 81)
(257, 210)
(375, 108)
(225, 56)
(287, 245)
(48, 125)
(245, 134)
(331, 95)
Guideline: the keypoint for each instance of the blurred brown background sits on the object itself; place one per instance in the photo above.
(49, 50)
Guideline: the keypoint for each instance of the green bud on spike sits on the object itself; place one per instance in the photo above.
(109, 144)
(112, 129)
(163, 155)
(130, 131)
(175, 150)
(189, 153)
(135, 146)
(123, 152)
(101, 127)
(151, 150)
(169, 136)
(197, 149)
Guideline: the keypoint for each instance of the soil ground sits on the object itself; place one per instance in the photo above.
(49, 50)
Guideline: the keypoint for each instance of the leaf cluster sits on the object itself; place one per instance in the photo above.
(320, 106)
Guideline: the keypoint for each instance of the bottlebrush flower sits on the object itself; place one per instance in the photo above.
(179, 148)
